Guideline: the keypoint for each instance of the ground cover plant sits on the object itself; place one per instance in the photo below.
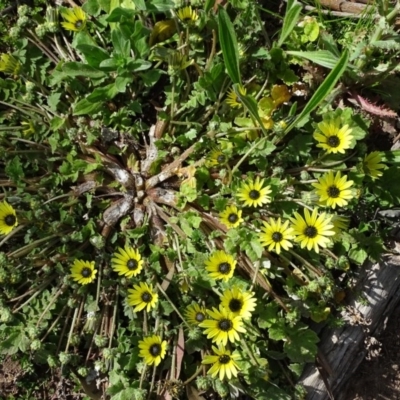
(184, 190)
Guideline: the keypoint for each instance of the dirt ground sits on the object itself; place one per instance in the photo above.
(379, 378)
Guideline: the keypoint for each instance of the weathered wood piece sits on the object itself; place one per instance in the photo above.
(376, 295)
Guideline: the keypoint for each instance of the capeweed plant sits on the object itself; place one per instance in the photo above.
(173, 214)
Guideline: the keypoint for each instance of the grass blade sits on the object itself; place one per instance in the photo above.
(326, 87)
(229, 46)
(291, 17)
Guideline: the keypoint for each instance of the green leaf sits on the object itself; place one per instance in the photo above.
(103, 93)
(320, 57)
(119, 14)
(56, 123)
(53, 101)
(92, 7)
(84, 106)
(105, 5)
(73, 69)
(122, 47)
(208, 6)
(250, 103)
(160, 6)
(229, 46)
(301, 345)
(291, 18)
(94, 55)
(140, 5)
(138, 65)
(320, 94)
(111, 64)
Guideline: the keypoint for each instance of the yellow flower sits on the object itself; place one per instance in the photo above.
(9, 64)
(216, 159)
(238, 302)
(253, 194)
(76, 19)
(162, 31)
(220, 265)
(233, 100)
(313, 231)
(333, 138)
(340, 223)
(231, 217)
(83, 272)
(195, 314)
(29, 128)
(223, 326)
(187, 14)
(8, 218)
(223, 363)
(142, 296)
(371, 165)
(127, 261)
(152, 349)
(280, 94)
(276, 236)
(334, 189)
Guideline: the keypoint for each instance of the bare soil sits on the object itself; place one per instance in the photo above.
(379, 378)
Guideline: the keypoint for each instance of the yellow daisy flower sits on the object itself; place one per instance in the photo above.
(142, 296)
(276, 236)
(223, 326)
(187, 14)
(216, 159)
(127, 261)
(9, 64)
(8, 218)
(371, 165)
(224, 363)
(76, 19)
(83, 272)
(220, 265)
(313, 231)
(333, 190)
(340, 224)
(253, 194)
(233, 100)
(231, 217)
(152, 349)
(239, 303)
(195, 314)
(333, 138)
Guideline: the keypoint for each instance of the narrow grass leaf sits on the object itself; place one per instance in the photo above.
(324, 90)
(320, 57)
(291, 17)
(229, 46)
(250, 103)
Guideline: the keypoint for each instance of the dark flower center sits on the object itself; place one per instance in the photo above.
(78, 24)
(86, 272)
(333, 141)
(254, 194)
(199, 317)
(221, 159)
(147, 297)
(224, 359)
(235, 305)
(277, 237)
(225, 325)
(333, 191)
(155, 349)
(233, 218)
(10, 220)
(224, 268)
(311, 232)
(132, 264)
